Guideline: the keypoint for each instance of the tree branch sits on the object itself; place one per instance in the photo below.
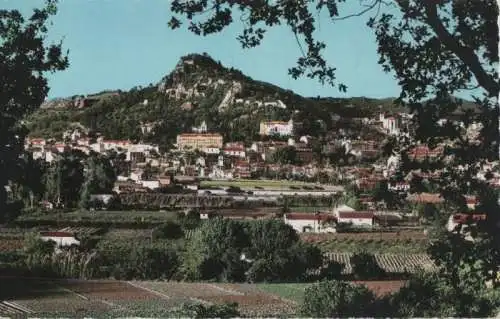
(466, 54)
(368, 8)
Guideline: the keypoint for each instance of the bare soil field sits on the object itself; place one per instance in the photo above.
(97, 298)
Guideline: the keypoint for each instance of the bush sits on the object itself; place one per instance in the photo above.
(169, 230)
(227, 310)
(334, 299)
(365, 267)
(333, 270)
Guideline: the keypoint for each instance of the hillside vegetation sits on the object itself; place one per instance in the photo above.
(198, 89)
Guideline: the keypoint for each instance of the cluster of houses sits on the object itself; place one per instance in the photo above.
(204, 154)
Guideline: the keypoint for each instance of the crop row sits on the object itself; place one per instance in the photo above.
(11, 244)
(412, 235)
(391, 263)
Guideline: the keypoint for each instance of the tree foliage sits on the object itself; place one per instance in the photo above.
(337, 299)
(24, 63)
(365, 267)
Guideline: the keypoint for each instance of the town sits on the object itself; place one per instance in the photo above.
(211, 194)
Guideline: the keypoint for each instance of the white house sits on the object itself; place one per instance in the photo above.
(342, 208)
(390, 124)
(62, 239)
(309, 222)
(136, 175)
(461, 219)
(276, 128)
(235, 152)
(211, 150)
(399, 187)
(356, 218)
(203, 128)
(152, 184)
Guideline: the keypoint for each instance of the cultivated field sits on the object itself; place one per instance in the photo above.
(102, 216)
(391, 263)
(117, 298)
(11, 244)
(98, 299)
(409, 242)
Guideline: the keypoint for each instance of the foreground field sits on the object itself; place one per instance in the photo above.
(103, 299)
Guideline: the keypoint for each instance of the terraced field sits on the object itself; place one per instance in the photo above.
(376, 242)
(11, 244)
(392, 263)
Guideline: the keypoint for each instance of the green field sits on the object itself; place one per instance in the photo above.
(293, 292)
(252, 183)
(102, 216)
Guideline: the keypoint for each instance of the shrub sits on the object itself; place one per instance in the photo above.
(169, 230)
(365, 267)
(334, 299)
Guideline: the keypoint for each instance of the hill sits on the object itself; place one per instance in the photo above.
(198, 89)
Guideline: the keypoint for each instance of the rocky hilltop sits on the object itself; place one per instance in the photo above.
(199, 89)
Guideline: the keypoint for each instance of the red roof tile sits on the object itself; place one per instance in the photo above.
(309, 216)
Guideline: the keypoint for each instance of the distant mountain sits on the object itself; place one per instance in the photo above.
(198, 89)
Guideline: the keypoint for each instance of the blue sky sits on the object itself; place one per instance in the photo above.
(118, 44)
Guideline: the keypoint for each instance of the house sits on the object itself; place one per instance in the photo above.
(399, 187)
(242, 169)
(356, 218)
(463, 218)
(422, 152)
(36, 142)
(61, 147)
(62, 239)
(304, 154)
(151, 184)
(310, 222)
(164, 181)
(390, 124)
(199, 141)
(432, 198)
(280, 128)
(200, 129)
(211, 150)
(235, 150)
(236, 215)
(116, 144)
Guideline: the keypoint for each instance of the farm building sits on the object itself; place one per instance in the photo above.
(356, 218)
(307, 222)
(62, 239)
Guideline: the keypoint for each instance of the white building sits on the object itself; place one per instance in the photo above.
(280, 128)
(200, 129)
(62, 239)
(356, 218)
(152, 184)
(211, 150)
(309, 222)
(235, 152)
(390, 124)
